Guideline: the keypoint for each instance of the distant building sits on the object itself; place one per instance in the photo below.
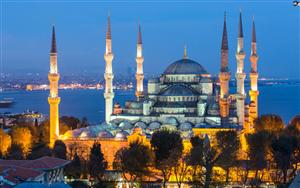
(45, 170)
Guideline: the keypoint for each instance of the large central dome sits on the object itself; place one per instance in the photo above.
(185, 66)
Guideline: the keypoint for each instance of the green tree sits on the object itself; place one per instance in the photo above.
(134, 160)
(283, 149)
(15, 152)
(96, 163)
(195, 160)
(270, 123)
(73, 169)
(168, 149)
(258, 145)
(228, 144)
(202, 158)
(39, 150)
(59, 150)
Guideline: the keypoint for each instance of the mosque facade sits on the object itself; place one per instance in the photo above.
(185, 97)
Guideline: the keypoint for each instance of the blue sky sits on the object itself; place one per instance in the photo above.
(166, 28)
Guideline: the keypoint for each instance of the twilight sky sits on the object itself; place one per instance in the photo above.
(166, 28)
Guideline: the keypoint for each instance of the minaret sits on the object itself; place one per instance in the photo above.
(108, 75)
(53, 98)
(240, 74)
(253, 76)
(224, 75)
(139, 93)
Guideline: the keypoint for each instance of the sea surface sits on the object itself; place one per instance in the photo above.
(283, 100)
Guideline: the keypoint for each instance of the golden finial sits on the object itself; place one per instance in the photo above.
(184, 53)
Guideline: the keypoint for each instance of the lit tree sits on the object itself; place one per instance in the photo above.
(181, 170)
(270, 123)
(5, 142)
(134, 160)
(168, 149)
(22, 137)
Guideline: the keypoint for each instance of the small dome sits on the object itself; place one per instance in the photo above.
(179, 90)
(105, 134)
(171, 121)
(87, 134)
(125, 125)
(121, 135)
(185, 66)
(140, 124)
(186, 126)
(154, 125)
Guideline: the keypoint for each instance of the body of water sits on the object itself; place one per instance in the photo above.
(283, 100)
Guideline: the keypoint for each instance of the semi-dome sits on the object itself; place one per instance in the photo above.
(179, 90)
(186, 126)
(140, 124)
(121, 135)
(171, 121)
(185, 66)
(105, 134)
(154, 125)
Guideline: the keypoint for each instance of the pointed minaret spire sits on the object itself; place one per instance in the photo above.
(184, 53)
(224, 36)
(139, 93)
(253, 31)
(253, 108)
(139, 35)
(53, 98)
(108, 31)
(240, 74)
(108, 75)
(240, 33)
(53, 43)
(224, 75)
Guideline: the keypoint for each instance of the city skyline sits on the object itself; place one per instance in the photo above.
(81, 41)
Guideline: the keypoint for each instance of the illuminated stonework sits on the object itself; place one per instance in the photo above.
(53, 98)
(139, 68)
(109, 76)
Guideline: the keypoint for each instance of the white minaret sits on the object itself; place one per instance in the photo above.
(108, 75)
(254, 74)
(139, 93)
(240, 75)
(53, 98)
(224, 75)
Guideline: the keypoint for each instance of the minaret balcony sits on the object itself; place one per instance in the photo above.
(53, 100)
(109, 95)
(108, 57)
(240, 55)
(108, 76)
(53, 77)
